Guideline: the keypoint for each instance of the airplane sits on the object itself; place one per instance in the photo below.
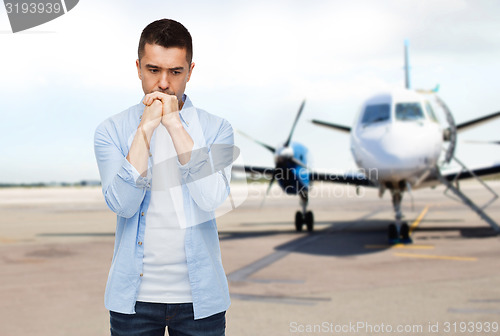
(397, 135)
(417, 168)
(293, 174)
(290, 171)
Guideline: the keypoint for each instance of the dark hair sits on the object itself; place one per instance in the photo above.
(166, 33)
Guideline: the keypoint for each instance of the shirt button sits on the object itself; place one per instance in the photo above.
(142, 213)
(140, 274)
(140, 243)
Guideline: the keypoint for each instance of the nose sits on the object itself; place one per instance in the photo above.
(163, 82)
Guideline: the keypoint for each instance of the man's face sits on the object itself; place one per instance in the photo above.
(164, 70)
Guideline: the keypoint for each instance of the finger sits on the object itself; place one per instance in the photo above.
(169, 102)
(147, 100)
(174, 104)
(165, 98)
(162, 97)
(155, 108)
(157, 103)
(150, 97)
(156, 95)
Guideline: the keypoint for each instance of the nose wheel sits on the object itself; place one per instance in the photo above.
(392, 232)
(401, 236)
(304, 216)
(301, 219)
(404, 233)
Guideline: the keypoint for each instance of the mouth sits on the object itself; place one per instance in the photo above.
(168, 92)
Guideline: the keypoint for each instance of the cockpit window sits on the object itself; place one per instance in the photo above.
(409, 111)
(376, 113)
(430, 111)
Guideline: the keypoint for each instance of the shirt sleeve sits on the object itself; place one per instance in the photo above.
(208, 172)
(122, 185)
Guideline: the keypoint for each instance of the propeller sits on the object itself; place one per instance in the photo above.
(268, 189)
(286, 144)
(295, 123)
(449, 134)
(274, 150)
(270, 148)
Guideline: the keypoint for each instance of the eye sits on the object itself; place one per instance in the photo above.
(153, 70)
(176, 72)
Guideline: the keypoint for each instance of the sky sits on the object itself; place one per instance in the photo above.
(255, 63)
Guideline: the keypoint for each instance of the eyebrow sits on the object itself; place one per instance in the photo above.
(151, 66)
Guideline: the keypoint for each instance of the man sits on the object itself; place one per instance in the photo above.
(156, 161)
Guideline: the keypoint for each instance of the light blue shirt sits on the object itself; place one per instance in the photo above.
(128, 194)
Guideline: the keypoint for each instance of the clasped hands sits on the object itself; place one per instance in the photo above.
(160, 108)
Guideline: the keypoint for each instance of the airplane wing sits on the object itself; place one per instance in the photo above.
(464, 174)
(355, 179)
(359, 179)
(476, 122)
(459, 174)
(266, 171)
(484, 142)
(336, 127)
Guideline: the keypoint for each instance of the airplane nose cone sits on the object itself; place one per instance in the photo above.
(401, 145)
(283, 154)
(401, 150)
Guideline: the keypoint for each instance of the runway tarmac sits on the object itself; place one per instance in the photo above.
(56, 246)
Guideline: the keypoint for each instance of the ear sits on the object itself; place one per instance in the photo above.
(190, 71)
(138, 65)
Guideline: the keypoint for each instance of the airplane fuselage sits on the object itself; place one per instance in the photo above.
(396, 138)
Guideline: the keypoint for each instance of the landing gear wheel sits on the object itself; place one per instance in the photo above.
(405, 234)
(393, 234)
(299, 221)
(309, 218)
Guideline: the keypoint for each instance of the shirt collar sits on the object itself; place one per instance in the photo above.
(186, 108)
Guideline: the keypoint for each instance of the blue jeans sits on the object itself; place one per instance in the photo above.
(151, 319)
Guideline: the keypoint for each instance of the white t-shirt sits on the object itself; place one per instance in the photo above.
(165, 275)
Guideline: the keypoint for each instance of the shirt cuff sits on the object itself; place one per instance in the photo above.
(129, 174)
(197, 162)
